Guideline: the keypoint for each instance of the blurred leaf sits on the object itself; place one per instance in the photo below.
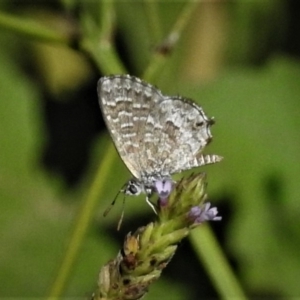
(57, 79)
(253, 24)
(257, 113)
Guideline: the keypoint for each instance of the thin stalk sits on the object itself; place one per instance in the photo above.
(216, 264)
(81, 224)
(98, 39)
(33, 29)
(154, 24)
(97, 43)
(160, 56)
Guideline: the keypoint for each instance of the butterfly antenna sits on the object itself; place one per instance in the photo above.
(122, 214)
(112, 203)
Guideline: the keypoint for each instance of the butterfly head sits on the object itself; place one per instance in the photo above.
(133, 188)
(162, 186)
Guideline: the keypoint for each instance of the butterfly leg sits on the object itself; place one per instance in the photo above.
(151, 204)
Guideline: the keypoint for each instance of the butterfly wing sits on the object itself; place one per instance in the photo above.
(126, 103)
(155, 135)
(178, 131)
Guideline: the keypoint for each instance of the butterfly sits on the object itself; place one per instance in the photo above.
(155, 135)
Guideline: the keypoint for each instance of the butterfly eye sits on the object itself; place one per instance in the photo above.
(133, 188)
(199, 124)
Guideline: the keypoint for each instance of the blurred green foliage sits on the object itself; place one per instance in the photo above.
(230, 60)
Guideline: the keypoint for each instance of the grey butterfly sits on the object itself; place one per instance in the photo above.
(155, 135)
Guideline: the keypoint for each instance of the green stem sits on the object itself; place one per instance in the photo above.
(105, 56)
(154, 24)
(32, 29)
(97, 43)
(98, 38)
(216, 264)
(159, 58)
(81, 224)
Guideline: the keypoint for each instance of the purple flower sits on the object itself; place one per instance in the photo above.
(205, 213)
(163, 188)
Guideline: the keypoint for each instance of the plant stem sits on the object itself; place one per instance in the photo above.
(159, 57)
(33, 30)
(81, 224)
(216, 264)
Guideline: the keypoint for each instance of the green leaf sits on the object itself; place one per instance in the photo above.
(257, 131)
